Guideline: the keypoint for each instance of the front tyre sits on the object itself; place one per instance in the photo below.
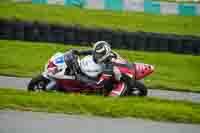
(38, 83)
(137, 89)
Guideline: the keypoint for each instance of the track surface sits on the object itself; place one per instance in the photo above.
(21, 83)
(29, 122)
(23, 122)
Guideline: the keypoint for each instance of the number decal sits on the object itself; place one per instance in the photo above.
(60, 60)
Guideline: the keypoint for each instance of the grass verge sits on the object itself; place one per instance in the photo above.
(148, 108)
(132, 21)
(172, 71)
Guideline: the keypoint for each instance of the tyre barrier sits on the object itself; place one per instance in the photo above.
(69, 35)
(143, 41)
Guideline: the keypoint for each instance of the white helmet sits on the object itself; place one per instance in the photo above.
(101, 51)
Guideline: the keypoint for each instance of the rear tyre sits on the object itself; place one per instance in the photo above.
(137, 89)
(38, 83)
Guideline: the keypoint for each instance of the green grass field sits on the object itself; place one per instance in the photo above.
(129, 21)
(172, 71)
(148, 108)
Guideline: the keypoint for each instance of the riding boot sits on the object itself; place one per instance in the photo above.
(119, 89)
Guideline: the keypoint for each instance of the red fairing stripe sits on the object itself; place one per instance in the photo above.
(51, 64)
(105, 76)
(52, 68)
(143, 70)
(126, 70)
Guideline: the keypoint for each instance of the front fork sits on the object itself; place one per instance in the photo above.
(52, 82)
(51, 85)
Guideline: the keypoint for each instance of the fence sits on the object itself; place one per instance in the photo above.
(19, 30)
(147, 6)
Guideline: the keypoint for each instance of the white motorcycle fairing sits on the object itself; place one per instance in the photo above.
(87, 66)
(58, 60)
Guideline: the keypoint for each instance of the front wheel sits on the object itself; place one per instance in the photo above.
(137, 89)
(38, 83)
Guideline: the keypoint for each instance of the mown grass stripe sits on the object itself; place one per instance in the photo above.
(172, 71)
(132, 21)
(148, 108)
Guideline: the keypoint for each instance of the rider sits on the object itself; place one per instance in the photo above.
(103, 55)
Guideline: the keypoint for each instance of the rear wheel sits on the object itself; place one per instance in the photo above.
(137, 89)
(38, 83)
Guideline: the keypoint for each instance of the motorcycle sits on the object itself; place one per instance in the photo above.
(58, 73)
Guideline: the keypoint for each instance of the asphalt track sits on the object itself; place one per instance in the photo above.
(21, 83)
(32, 122)
(36, 122)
